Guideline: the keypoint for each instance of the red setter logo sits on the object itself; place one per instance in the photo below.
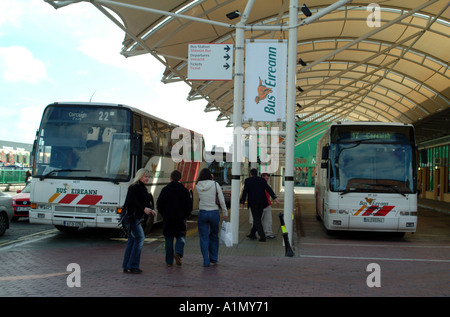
(263, 91)
(369, 200)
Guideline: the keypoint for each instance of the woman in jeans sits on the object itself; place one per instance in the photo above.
(138, 202)
(209, 216)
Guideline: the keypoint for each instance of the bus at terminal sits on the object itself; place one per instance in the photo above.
(220, 165)
(86, 155)
(366, 179)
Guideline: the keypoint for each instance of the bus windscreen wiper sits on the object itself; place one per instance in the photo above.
(352, 190)
(61, 170)
(394, 187)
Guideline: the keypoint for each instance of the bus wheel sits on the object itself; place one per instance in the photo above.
(317, 209)
(66, 229)
(148, 224)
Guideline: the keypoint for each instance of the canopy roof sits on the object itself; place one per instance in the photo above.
(395, 72)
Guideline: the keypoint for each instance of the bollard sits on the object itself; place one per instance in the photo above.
(287, 245)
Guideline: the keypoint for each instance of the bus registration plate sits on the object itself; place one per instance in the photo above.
(371, 219)
(73, 224)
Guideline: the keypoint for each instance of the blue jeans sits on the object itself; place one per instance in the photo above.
(179, 247)
(136, 238)
(208, 231)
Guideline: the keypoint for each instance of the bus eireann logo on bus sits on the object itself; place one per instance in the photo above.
(369, 200)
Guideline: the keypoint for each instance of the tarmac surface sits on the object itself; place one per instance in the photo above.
(249, 270)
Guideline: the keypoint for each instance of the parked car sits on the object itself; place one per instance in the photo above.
(6, 212)
(21, 202)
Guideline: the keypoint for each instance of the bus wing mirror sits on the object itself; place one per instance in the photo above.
(325, 153)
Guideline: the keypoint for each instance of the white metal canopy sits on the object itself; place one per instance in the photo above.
(398, 71)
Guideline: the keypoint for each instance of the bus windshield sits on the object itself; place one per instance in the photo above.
(77, 142)
(372, 159)
(221, 172)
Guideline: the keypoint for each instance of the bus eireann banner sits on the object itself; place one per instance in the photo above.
(265, 80)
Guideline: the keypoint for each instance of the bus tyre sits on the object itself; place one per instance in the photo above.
(147, 224)
(317, 209)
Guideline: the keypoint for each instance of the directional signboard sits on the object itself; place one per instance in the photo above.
(210, 61)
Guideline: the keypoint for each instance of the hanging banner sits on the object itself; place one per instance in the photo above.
(265, 80)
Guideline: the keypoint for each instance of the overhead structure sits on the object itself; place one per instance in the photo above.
(360, 62)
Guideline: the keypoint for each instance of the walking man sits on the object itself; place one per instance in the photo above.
(255, 188)
(175, 205)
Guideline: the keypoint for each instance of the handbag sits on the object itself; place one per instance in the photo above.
(226, 234)
(124, 223)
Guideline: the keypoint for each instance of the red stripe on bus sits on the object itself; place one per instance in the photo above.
(369, 210)
(90, 200)
(384, 211)
(68, 199)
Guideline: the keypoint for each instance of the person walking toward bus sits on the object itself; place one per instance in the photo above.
(175, 205)
(255, 188)
(137, 203)
(209, 216)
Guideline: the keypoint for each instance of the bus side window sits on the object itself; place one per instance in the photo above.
(325, 156)
(148, 143)
(325, 152)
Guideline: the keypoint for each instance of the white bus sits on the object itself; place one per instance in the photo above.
(367, 178)
(86, 155)
(220, 165)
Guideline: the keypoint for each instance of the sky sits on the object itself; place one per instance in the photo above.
(73, 54)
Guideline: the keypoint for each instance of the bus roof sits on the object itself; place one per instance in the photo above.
(370, 123)
(105, 104)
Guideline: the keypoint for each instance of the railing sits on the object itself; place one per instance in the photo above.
(12, 176)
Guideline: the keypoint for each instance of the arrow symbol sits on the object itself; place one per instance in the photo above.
(227, 57)
(227, 48)
(226, 66)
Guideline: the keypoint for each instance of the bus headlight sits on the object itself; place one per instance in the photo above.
(340, 211)
(43, 206)
(107, 210)
(408, 213)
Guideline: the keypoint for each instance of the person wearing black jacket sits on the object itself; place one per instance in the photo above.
(254, 188)
(175, 205)
(138, 202)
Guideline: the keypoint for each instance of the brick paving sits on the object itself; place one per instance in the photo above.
(250, 269)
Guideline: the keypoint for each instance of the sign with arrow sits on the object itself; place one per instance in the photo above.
(210, 61)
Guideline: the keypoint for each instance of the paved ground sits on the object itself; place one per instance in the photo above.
(320, 267)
